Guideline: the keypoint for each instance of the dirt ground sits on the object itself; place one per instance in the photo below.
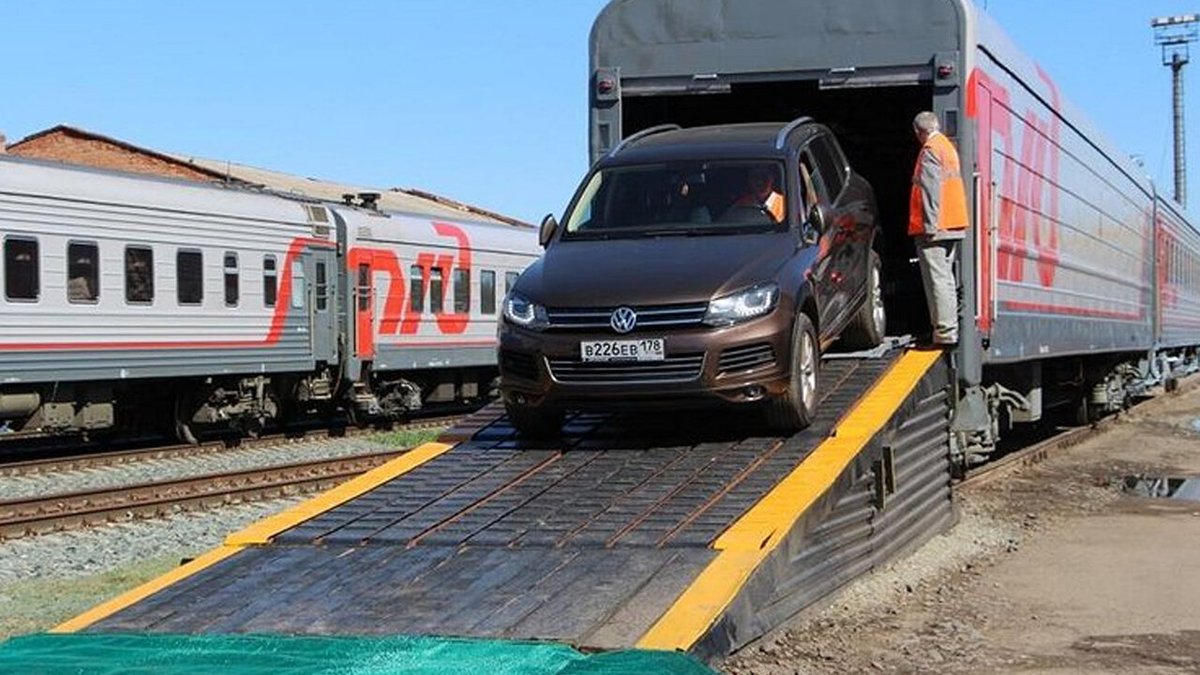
(1051, 569)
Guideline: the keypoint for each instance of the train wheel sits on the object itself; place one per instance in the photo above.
(183, 425)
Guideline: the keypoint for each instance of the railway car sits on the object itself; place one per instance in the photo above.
(129, 301)
(1075, 280)
(1177, 279)
(423, 301)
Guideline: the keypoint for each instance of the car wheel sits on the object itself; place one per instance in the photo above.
(796, 409)
(533, 422)
(869, 325)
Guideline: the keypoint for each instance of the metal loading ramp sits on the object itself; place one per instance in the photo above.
(629, 532)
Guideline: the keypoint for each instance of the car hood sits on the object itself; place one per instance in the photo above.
(659, 271)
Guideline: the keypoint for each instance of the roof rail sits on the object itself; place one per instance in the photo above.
(642, 134)
(781, 139)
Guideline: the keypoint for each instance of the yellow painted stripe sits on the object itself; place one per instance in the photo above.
(147, 589)
(262, 532)
(748, 542)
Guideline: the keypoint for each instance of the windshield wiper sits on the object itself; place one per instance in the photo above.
(678, 232)
(593, 235)
(705, 231)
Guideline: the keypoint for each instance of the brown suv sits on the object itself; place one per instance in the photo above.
(696, 267)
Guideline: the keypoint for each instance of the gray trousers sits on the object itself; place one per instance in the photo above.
(937, 259)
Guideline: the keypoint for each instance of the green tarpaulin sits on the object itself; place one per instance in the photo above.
(90, 654)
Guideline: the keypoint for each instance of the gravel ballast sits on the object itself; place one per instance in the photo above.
(47, 579)
(237, 459)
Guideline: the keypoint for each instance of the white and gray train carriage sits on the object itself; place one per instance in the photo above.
(130, 302)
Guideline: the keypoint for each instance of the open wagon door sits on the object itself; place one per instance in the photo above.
(989, 171)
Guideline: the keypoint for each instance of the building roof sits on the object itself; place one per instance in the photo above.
(76, 132)
(404, 200)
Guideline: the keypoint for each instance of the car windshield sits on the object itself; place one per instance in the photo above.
(684, 198)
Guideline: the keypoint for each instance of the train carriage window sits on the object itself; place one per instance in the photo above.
(510, 280)
(416, 289)
(322, 287)
(298, 289)
(270, 281)
(462, 291)
(436, 291)
(139, 275)
(83, 273)
(231, 280)
(189, 277)
(22, 280)
(364, 288)
(487, 292)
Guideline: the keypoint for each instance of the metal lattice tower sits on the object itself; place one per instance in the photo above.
(1174, 34)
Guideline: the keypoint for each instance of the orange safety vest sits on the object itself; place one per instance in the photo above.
(951, 193)
(774, 204)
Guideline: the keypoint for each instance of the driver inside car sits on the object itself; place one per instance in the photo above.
(761, 194)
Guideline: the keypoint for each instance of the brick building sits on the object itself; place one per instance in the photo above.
(76, 146)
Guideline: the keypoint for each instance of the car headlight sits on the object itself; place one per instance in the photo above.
(521, 311)
(744, 306)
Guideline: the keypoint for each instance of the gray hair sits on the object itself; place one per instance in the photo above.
(927, 122)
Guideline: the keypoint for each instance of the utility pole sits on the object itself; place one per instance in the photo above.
(1174, 34)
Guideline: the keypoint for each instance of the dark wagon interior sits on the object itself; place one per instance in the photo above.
(874, 126)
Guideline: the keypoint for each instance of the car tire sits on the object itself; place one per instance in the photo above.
(533, 422)
(869, 325)
(795, 409)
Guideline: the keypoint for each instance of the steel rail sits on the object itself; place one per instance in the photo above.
(55, 513)
(89, 460)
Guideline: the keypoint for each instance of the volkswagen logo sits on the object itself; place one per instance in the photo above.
(623, 320)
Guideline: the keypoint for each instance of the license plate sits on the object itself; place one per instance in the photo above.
(601, 351)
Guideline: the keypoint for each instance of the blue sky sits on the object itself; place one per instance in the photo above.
(481, 100)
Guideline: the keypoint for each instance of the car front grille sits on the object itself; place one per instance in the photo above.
(681, 368)
(519, 365)
(740, 359)
(658, 317)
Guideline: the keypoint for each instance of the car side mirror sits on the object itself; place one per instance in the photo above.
(809, 236)
(546, 233)
(818, 217)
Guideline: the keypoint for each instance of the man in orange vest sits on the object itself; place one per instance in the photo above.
(938, 222)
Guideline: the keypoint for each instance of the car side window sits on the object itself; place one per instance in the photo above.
(829, 164)
(816, 179)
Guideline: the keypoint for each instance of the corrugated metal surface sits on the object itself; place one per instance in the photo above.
(394, 199)
(1177, 250)
(849, 534)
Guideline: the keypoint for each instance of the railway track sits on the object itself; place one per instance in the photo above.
(40, 514)
(55, 513)
(91, 460)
